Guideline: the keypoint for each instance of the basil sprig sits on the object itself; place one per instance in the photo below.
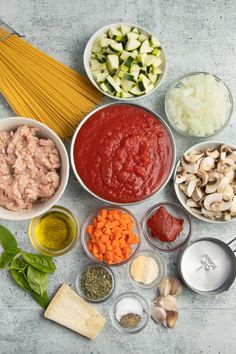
(30, 271)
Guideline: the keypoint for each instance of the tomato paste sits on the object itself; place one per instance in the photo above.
(165, 226)
(123, 153)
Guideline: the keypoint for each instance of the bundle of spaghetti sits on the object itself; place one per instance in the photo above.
(40, 87)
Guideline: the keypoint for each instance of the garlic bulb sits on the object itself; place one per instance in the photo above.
(170, 286)
(176, 287)
(168, 303)
(165, 287)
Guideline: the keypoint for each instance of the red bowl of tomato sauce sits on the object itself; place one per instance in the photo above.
(123, 153)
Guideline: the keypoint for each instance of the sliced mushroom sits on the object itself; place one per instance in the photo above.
(212, 152)
(203, 175)
(197, 194)
(212, 184)
(196, 211)
(190, 167)
(227, 215)
(224, 183)
(192, 204)
(226, 165)
(216, 207)
(195, 156)
(232, 156)
(183, 188)
(233, 207)
(212, 199)
(228, 193)
(224, 149)
(181, 175)
(208, 214)
(191, 186)
(207, 163)
(225, 205)
(230, 176)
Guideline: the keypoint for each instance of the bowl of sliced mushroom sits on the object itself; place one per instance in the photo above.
(205, 181)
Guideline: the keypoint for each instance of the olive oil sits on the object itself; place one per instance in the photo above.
(54, 230)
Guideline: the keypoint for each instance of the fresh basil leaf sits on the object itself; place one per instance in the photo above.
(20, 279)
(7, 257)
(37, 280)
(18, 263)
(43, 263)
(42, 300)
(7, 239)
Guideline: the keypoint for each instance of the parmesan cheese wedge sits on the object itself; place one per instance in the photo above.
(68, 309)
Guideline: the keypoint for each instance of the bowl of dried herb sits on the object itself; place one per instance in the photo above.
(95, 283)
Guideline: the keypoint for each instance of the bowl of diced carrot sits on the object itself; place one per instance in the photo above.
(111, 235)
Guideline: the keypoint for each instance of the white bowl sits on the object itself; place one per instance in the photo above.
(182, 197)
(11, 124)
(88, 51)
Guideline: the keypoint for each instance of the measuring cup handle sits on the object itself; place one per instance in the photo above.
(229, 243)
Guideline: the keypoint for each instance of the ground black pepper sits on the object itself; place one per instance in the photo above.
(130, 320)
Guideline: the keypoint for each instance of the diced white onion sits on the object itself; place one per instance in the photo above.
(199, 105)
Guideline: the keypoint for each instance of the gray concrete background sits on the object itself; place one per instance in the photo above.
(197, 35)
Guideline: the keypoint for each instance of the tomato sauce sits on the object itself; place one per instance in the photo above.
(165, 226)
(123, 153)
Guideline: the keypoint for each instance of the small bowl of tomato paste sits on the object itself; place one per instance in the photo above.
(123, 153)
(167, 226)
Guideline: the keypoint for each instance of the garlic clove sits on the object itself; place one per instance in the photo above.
(176, 286)
(165, 287)
(171, 318)
(168, 303)
(158, 314)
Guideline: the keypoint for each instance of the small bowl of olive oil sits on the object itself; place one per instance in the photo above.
(55, 232)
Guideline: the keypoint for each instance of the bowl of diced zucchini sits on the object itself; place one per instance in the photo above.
(124, 61)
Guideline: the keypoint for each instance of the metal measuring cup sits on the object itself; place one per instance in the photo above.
(208, 265)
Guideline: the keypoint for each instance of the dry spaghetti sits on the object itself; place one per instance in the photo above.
(40, 87)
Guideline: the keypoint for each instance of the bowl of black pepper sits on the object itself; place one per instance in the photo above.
(95, 283)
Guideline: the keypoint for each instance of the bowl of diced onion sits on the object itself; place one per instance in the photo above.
(198, 104)
(124, 61)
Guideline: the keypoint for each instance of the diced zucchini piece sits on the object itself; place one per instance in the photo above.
(109, 50)
(94, 64)
(129, 61)
(135, 91)
(113, 32)
(118, 94)
(150, 88)
(101, 57)
(132, 35)
(125, 29)
(150, 59)
(129, 77)
(93, 56)
(104, 87)
(145, 47)
(102, 66)
(157, 71)
(125, 94)
(124, 55)
(154, 42)
(95, 72)
(116, 79)
(142, 37)
(143, 70)
(134, 53)
(116, 47)
(152, 77)
(101, 77)
(126, 84)
(143, 82)
(156, 52)
(135, 30)
(96, 46)
(156, 63)
(132, 44)
(113, 84)
(124, 68)
(141, 58)
(135, 70)
(105, 42)
(113, 62)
